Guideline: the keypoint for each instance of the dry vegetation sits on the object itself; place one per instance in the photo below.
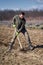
(16, 57)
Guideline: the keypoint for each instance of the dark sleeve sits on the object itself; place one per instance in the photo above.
(23, 25)
(14, 21)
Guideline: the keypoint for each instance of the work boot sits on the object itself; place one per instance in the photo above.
(9, 48)
(31, 47)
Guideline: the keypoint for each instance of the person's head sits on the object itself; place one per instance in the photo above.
(21, 15)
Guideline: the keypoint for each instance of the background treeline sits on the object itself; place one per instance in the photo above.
(8, 14)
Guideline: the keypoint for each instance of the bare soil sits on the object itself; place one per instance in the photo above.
(17, 57)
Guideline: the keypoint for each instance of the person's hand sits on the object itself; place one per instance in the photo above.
(14, 26)
(17, 33)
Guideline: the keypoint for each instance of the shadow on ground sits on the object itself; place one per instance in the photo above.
(38, 46)
(25, 49)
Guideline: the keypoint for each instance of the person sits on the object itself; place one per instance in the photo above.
(19, 24)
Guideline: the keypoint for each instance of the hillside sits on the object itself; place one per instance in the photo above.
(8, 14)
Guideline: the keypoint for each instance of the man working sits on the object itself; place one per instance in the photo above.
(19, 24)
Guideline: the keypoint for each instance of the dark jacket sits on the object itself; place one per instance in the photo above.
(20, 23)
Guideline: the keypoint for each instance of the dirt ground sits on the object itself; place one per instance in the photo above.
(17, 57)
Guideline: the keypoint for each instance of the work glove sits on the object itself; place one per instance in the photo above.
(17, 33)
(14, 26)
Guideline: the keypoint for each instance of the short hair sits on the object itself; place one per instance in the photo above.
(22, 13)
